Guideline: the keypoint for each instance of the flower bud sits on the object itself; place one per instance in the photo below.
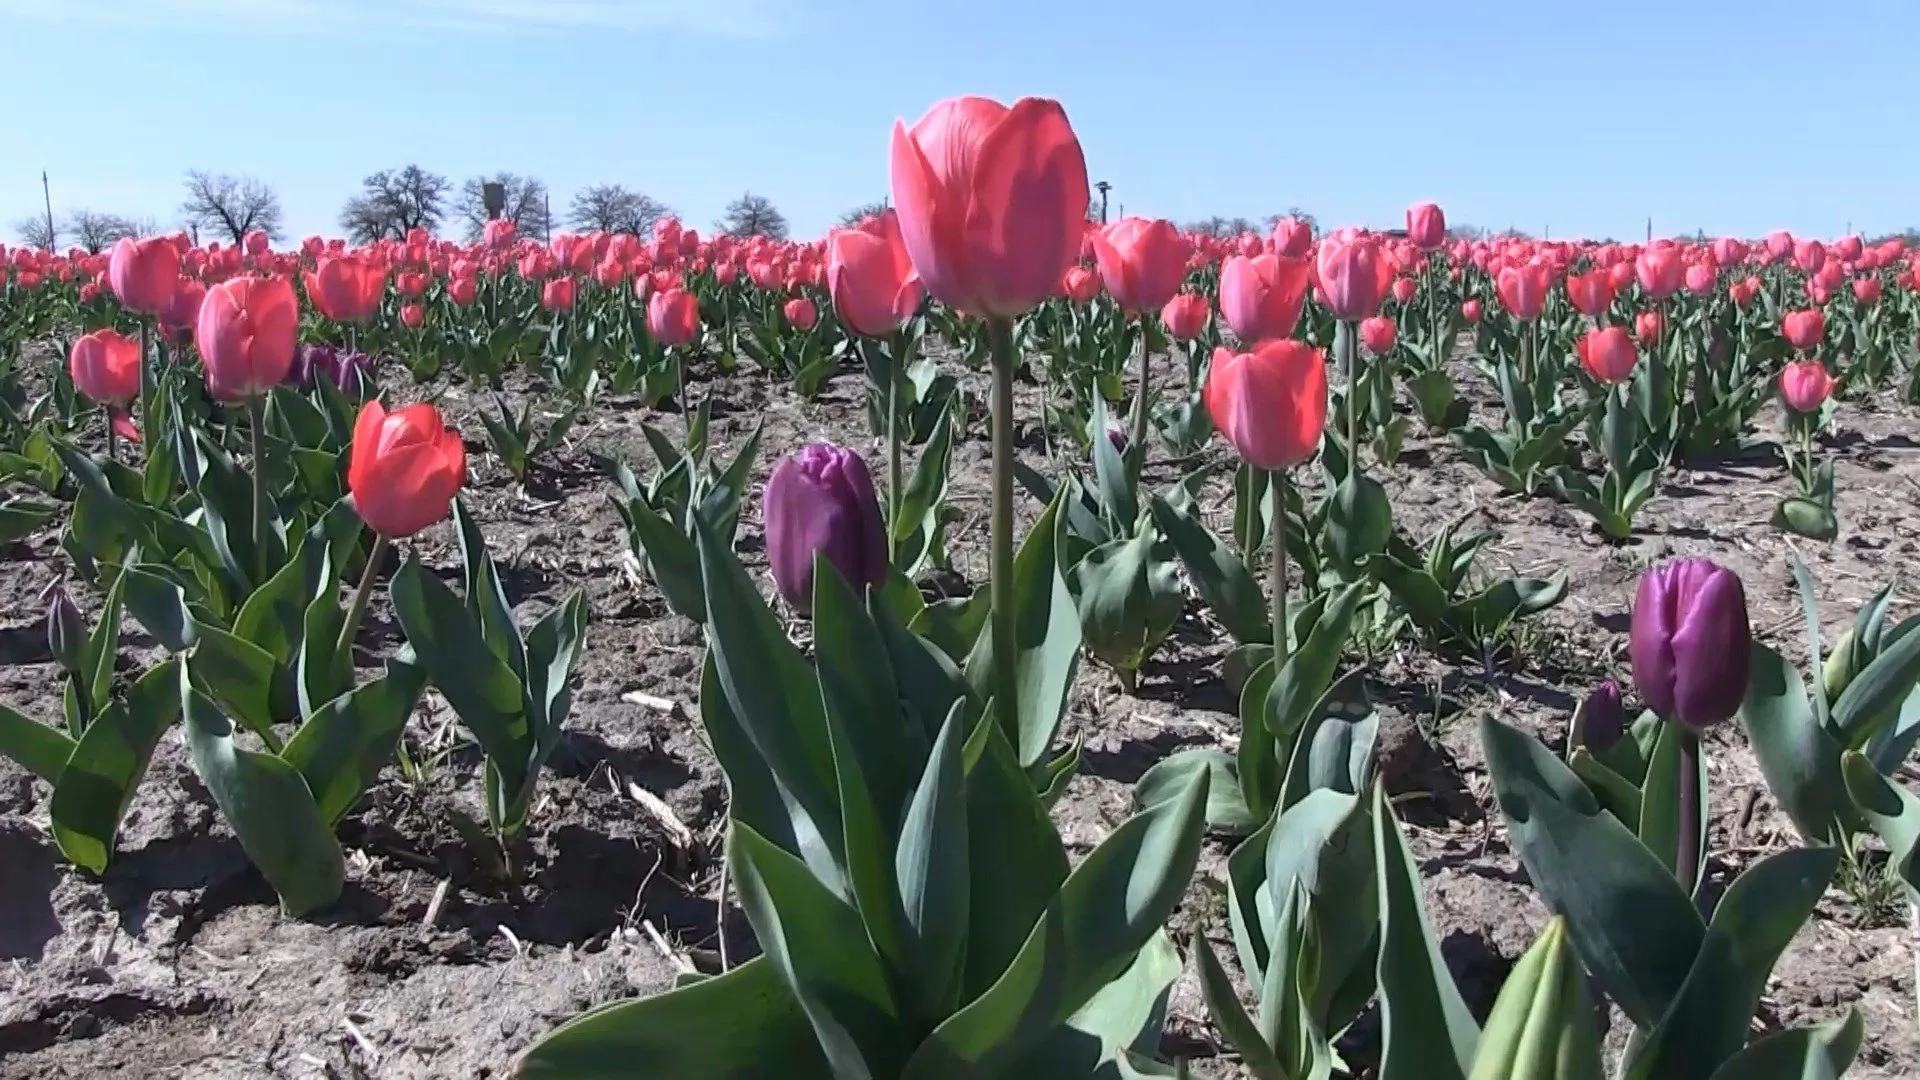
(1601, 719)
(1690, 641)
(66, 633)
(1541, 1026)
(1842, 665)
(821, 501)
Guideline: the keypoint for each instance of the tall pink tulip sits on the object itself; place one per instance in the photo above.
(1354, 274)
(1426, 226)
(142, 273)
(1261, 297)
(1142, 261)
(673, 316)
(1660, 271)
(246, 333)
(992, 201)
(870, 277)
(1292, 238)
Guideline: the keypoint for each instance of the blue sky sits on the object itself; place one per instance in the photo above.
(1574, 118)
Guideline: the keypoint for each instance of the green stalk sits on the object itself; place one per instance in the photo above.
(1137, 448)
(140, 400)
(1686, 858)
(1005, 682)
(256, 423)
(1349, 338)
(896, 372)
(357, 608)
(1277, 568)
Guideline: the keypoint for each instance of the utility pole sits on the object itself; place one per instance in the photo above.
(1649, 228)
(46, 191)
(1103, 187)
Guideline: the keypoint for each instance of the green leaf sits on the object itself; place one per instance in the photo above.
(159, 606)
(1752, 925)
(818, 944)
(32, 745)
(274, 617)
(671, 559)
(22, 517)
(341, 748)
(486, 597)
(1800, 760)
(267, 804)
(1108, 909)
(1615, 794)
(91, 795)
(1821, 1053)
(927, 678)
(1661, 828)
(932, 868)
(1892, 812)
(1875, 695)
(1324, 846)
(1426, 1029)
(725, 1028)
(1218, 573)
(776, 698)
(1007, 829)
(1223, 1004)
(1632, 924)
(1226, 805)
(239, 675)
(1125, 1018)
(1046, 629)
(916, 534)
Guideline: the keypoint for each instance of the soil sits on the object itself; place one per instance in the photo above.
(178, 963)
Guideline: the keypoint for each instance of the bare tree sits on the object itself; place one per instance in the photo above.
(96, 231)
(526, 205)
(231, 206)
(393, 202)
(615, 209)
(35, 231)
(753, 215)
(1222, 228)
(862, 212)
(1467, 232)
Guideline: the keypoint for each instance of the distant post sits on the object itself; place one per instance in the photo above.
(47, 193)
(1103, 187)
(494, 198)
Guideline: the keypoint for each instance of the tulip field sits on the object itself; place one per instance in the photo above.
(978, 643)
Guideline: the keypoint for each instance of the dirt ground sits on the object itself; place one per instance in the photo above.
(177, 963)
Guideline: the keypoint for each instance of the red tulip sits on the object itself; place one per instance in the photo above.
(800, 312)
(1867, 290)
(1809, 256)
(992, 201)
(142, 273)
(1261, 297)
(557, 295)
(1426, 226)
(1185, 316)
(1270, 403)
(1080, 284)
(404, 468)
(1805, 385)
(1608, 354)
(1377, 333)
(105, 366)
(1470, 309)
(1403, 290)
(462, 290)
(673, 315)
(1804, 329)
(1646, 326)
(1142, 261)
(1523, 289)
(1591, 293)
(246, 334)
(412, 316)
(1660, 270)
(347, 288)
(1292, 238)
(1353, 274)
(183, 310)
(870, 277)
(1701, 278)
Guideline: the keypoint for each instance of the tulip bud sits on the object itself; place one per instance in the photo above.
(821, 501)
(1690, 641)
(1600, 720)
(1541, 1026)
(66, 634)
(1842, 665)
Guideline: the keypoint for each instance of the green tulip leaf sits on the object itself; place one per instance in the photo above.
(1800, 760)
(341, 748)
(1820, 1053)
(1226, 805)
(1426, 1030)
(1893, 813)
(92, 793)
(1218, 573)
(1007, 829)
(671, 559)
(1660, 826)
(1047, 639)
(931, 865)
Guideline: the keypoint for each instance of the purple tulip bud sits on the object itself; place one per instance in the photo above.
(307, 361)
(1690, 641)
(821, 500)
(1117, 435)
(1603, 719)
(66, 633)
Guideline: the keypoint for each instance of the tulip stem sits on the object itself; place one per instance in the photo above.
(1137, 446)
(896, 373)
(1686, 858)
(1005, 683)
(1277, 568)
(1348, 338)
(357, 608)
(256, 440)
(140, 396)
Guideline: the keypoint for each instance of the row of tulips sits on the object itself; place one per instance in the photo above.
(888, 828)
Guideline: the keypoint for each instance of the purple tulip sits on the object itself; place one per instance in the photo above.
(821, 500)
(1117, 436)
(347, 369)
(1603, 719)
(66, 633)
(1690, 641)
